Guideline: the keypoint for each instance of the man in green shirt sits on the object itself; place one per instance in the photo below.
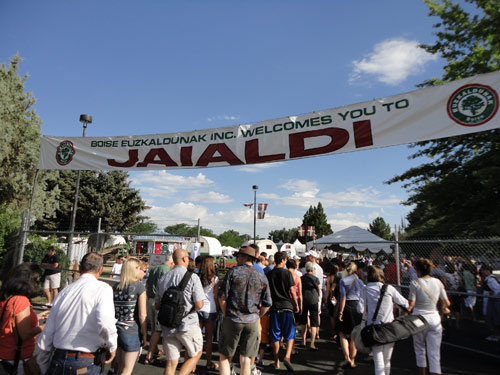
(155, 275)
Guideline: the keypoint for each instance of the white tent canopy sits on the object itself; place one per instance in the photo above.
(356, 237)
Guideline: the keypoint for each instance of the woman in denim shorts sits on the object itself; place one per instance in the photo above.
(129, 295)
(208, 313)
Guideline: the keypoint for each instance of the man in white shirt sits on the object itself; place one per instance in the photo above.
(117, 268)
(81, 321)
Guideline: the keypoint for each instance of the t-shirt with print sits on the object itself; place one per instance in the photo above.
(125, 304)
(245, 289)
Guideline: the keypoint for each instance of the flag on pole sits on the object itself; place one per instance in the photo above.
(301, 231)
(311, 231)
(261, 210)
(249, 205)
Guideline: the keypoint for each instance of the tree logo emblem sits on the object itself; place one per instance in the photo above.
(473, 105)
(65, 152)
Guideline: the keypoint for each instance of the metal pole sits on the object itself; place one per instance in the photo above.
(198, 238)
(305, 227)
(398, 261)
(254, 215)
(75, 206)
(98, 236)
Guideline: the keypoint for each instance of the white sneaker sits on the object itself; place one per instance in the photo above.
(255, 371)
(232, 371)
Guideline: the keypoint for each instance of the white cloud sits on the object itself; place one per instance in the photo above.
(163, 178)
(222, 118)
(255, 168)
(240, 220)
(392, 61)
(306, 193)
(209, 197)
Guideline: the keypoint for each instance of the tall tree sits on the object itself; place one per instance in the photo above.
(380, 228)
(285, 235)
(105, 195)
(20, 134)
(316, 217)
(458, 191)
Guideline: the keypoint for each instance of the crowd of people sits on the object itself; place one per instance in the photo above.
(261, 304)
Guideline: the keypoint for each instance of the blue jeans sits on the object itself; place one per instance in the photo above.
(68, 365)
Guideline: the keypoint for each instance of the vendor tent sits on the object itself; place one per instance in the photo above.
(354, 237)
(300, 249)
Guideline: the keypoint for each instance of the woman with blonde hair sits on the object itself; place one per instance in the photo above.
(130, 300)
(351, 289)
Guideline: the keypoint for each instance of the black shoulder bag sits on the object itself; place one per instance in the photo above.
(401, 328)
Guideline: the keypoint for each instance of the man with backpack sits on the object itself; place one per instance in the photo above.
(179, 296)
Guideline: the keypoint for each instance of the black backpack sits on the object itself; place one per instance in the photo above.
(172, 304)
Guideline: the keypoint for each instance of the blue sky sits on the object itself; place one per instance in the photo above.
(144, 67)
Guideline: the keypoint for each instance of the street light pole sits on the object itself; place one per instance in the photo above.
(255, 188)
(85, 120)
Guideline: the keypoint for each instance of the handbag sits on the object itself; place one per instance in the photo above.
(31, 367)
(401, 328)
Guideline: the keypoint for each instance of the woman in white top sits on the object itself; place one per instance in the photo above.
(375, 281)
(208, 313)
(424, 295)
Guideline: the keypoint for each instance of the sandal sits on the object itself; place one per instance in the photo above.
(212, 366)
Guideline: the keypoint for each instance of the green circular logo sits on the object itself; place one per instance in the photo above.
(473, 105)
(65, 152)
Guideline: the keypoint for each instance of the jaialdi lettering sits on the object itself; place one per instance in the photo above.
(220, 152)
(459, 107)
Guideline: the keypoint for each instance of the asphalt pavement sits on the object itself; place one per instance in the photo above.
(464, 351)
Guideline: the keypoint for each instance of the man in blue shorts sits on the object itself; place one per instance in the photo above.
(284, 298)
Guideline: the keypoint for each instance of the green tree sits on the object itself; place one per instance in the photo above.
(187, 230)
(457, 192)
(105, 195)
(380, 228)
(316, 218)
(20, 134)
(144, 227)
(285, 235)
(9, 225)
(232, 238)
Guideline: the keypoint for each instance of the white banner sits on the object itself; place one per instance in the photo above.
(459, 107)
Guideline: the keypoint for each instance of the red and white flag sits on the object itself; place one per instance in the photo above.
(311, 231)
(261, 210)
(301, 231)
(249, 205)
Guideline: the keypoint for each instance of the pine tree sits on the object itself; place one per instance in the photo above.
(316, 217)
(105, 195)
(380, 228)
